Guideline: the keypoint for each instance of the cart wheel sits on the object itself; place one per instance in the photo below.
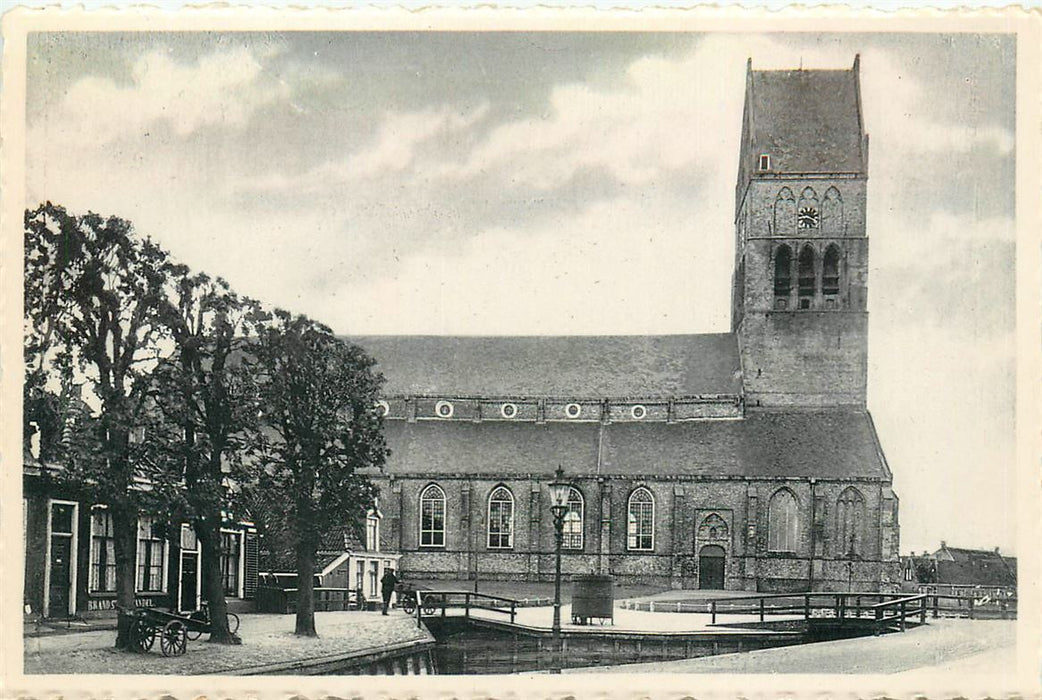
(233, 623)
(142, 636)
(429, 608)
(409, 605)
(173, 639)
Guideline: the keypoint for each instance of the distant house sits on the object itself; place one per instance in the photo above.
(347, 559)
(959, 571)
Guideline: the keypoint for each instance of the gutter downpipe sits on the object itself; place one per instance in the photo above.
(813, 530)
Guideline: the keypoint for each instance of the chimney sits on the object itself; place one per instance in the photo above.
(944, 545)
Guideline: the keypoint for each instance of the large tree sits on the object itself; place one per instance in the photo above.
(204, 389)
(320, 432)
(93, 294)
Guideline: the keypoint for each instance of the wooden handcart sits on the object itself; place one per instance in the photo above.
(172, 630)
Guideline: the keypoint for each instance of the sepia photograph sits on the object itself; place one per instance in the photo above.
(439, 351)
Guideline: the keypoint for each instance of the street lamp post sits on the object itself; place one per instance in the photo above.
(559, 492)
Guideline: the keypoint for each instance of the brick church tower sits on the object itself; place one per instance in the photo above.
(800, 283)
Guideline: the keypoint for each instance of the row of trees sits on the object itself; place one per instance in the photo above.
(239, 404)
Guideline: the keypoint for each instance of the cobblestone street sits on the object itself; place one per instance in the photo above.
(267, 639)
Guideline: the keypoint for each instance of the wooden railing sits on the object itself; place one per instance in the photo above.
(898, 610)
(432, 602)
(884, 608)
(971, 607)
(272, 599)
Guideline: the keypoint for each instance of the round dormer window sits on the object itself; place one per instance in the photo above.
(382, 408)
(508, 410)
(638, 412)
(443, 409)
(573, 410)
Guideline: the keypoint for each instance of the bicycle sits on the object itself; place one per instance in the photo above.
(202, 615)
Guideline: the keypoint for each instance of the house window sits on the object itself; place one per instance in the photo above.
(850, 515)
(572, 533)
(508, 410)
(374, 567)
(151, 556)
(765, 161)
(189, 540)
(500, 519)
(444, 409)
(573, 410)
(230, 548)
(782, 525)
(638, 412)
(432, 517)
(372, 532)
(102, 552)
(640, 521)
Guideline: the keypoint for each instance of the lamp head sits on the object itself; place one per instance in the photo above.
(560, 490)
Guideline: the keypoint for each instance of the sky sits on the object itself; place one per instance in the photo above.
(562, 183)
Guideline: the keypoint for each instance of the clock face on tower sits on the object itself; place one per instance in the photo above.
(807, 218)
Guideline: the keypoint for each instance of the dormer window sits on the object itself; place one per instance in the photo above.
(765, 162)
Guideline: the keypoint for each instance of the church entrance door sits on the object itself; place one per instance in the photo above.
(711, 567)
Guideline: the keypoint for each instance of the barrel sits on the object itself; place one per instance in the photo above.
(592, 596)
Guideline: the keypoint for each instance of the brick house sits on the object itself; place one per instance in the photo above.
(960, 571)
(744, 460)
(70, 564)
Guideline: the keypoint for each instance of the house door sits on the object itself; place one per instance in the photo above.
(189, 580)
(711, 567)
(61, 559)
(58, 593)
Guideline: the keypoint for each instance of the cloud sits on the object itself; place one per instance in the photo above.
(224, 88)
(605, 268)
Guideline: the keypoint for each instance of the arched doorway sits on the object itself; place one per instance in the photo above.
(711, 567)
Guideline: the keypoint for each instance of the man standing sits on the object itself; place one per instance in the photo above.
(387, 584)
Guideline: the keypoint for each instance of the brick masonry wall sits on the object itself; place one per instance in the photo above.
(797, 357)
(681, 507)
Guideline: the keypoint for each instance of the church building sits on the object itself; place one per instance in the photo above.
(744, 460)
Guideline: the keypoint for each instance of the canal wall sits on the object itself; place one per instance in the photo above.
(477, 646)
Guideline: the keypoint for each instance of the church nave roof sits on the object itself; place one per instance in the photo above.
(565, 366)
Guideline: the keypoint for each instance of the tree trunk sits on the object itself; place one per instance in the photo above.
(124, 531)
(209, 532)
(305, 589)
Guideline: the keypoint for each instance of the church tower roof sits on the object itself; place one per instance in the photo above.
(806, 121)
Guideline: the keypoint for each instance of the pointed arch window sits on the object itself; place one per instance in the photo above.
(640, 521)
(784, 212)
(782, 522)
(805, 276)
(572, 534)
(832, 213)
(500, 519)
(850, 516)
(432, 517)
(830, 271)
(782, 276)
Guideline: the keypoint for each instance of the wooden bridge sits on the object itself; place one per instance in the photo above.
(881, 611)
